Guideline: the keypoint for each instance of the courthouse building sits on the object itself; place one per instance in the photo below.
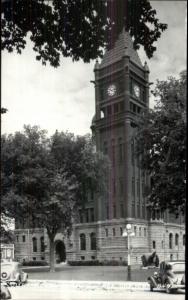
(121, 94)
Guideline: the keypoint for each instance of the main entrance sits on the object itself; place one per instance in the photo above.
(60, 252)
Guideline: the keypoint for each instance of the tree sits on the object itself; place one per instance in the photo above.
(45, 180)
(161, 141)
(77, 29)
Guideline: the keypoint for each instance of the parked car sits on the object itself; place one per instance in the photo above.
(171, 277)
(11, 273)
(5, 293)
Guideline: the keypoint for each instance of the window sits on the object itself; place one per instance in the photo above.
(105, 148)
(42, 244)
(132, 152)
(114, 211)
(23, 238)
(87, 215)
(170, 240)
(34, 244)
(121, 231)
(107, 211)
(154, 244)
(138, 188)
(176, 239)
(81, 216)
(116, 108)
(121, 210)
(121, 106)
(133, 210)
(144, 231)
(42, 257)
(143, 212)
(17, 238)
(133, 186)
(92, 214)
(106, 232)
(140, 231)
(114, 186)
(109, 110)
(93, 242)
(162, 244)
(135, 230)
(138, 211)
(120, 143)
(93, 257)
(114, 231)
(113, 151)
(171, 257)
(183, 239)
(82, 257)
(121, 186)
(34, 258)
(82, 241)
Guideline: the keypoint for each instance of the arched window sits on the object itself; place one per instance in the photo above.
(183, 239)
(176, 239)
(42, 244)
(93, 242)
(154, 244)
(82, 241)
(34, 244)
(170, 240)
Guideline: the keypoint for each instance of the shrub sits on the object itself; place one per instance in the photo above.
(35, 263)
(97, 263)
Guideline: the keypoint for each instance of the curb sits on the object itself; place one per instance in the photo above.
(105, 285)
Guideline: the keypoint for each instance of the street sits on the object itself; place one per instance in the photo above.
(54, 291)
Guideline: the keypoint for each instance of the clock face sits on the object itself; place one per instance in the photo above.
(111, 90)
(136, 89)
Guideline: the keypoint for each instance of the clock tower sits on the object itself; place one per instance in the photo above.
(121, 94)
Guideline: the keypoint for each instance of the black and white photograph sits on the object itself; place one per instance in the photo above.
(93, 149)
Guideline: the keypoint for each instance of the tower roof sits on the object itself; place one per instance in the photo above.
(118, 51)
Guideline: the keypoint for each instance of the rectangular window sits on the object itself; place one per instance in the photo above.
(17, 238)
(121, 210)
(106, 232)
(120, 186)
(138, 211)
(135, 230)
(34, 258)
(82, 257)
(114, 186)
(121, 231)
(87, 215)
(133, 187)
(109, 110)
(107, 211)
(140, 231)
(132, 153)
(116, 108)
(122, 106)
(133, 210)
(144, 231)
(114, 231)
(23, 238)
(92, 214)
(114, 211)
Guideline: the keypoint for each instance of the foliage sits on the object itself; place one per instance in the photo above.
(161, 142)
(77, 29)
(45, 180)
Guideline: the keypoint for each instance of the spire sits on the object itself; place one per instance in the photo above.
(123, 47)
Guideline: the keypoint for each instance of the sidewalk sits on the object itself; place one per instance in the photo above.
(92, 285)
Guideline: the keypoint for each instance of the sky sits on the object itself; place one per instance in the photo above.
(63, 98)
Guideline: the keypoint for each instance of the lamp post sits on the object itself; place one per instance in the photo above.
(128, 233)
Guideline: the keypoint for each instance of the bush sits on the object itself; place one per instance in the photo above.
(97, 263)
(35, 263)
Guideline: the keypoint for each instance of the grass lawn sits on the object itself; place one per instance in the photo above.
(103, 273)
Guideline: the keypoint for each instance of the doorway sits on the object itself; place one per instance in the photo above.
(60, 252)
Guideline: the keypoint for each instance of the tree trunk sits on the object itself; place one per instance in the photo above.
(52, 254)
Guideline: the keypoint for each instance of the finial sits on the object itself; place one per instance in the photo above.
(96, 64)
(146, 67)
